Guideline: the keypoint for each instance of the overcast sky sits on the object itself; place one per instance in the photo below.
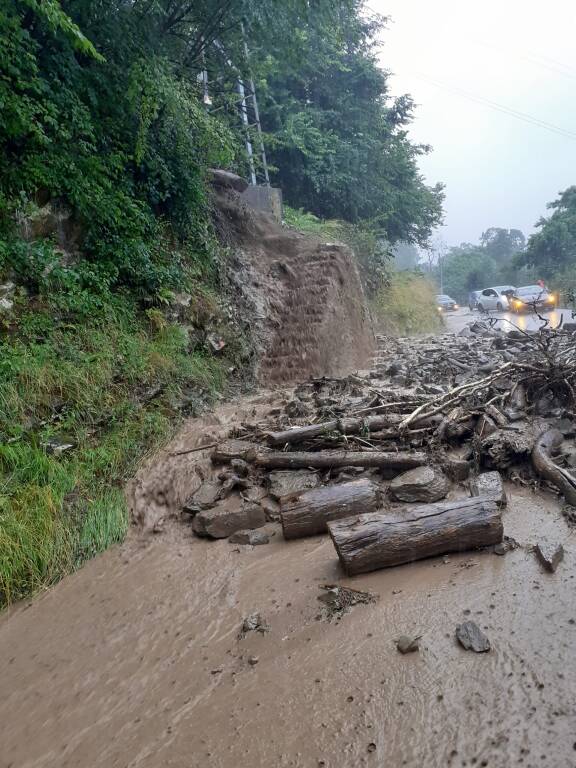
(521, 55)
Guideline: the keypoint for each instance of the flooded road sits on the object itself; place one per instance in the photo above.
(507, 321)
(136, 660)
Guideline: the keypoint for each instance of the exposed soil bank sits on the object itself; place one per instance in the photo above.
(309, 313)
(136, 659)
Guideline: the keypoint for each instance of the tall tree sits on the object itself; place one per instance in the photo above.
(552, 250)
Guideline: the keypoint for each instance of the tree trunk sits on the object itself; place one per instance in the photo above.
(545, 447)
(373, 541)
(346, 426)
(393, 460)
(309, 513)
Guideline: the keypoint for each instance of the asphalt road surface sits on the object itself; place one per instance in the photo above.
(507, 321)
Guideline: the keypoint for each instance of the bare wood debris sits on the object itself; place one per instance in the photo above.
(435, 418)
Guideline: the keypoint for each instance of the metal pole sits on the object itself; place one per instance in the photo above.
(256, 110)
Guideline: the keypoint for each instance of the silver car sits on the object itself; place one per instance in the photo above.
(496, 298)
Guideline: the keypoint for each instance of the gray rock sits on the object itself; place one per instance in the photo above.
(205, 497)
(407, 644)
(489, 484)
(508, 544)
(456, 469)
(271, 509)
(254, 623)
(426, 484)
(550, 555)
(227, 518)
(254, 538)
(283, 483)
(471, 637)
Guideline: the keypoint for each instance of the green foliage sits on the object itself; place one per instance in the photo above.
(552, 250)
(87, 385)
(338, 141)
(407, 305)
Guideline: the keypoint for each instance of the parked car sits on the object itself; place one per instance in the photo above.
(473, 297)
(531, 297)
(496, 298)
(445, 303)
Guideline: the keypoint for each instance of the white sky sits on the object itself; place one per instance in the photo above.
(499, 171)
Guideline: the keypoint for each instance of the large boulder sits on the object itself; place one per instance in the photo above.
(228, 517)
(284, 483)
(425, 484)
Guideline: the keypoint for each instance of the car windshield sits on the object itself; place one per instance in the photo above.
(502, 288)
(527, 290)
(443, 297)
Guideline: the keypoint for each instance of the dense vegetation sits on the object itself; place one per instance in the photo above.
(105, 144)
(552, 250)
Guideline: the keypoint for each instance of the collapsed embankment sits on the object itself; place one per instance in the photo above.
(308, 309)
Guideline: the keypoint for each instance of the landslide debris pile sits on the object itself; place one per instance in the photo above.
(405, 460)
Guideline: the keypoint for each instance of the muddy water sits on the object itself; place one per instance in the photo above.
(135, 661)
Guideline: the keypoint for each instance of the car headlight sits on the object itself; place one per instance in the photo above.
(456, 306)
(516, 303)
(439, 309)
(551, 299)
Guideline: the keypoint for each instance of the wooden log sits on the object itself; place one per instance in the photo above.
(346, 426)
(371, 541)
(390, 460)
(309, 513)
(547, 445)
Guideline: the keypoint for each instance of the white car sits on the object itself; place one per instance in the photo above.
(495, 298)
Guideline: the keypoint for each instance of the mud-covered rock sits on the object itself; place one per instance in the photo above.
(283, 484)
(456, 469)
(549, 554)
(425, 484)
(471, 637)
(228, 517)
(204, 498)
(490, 485)
(407, 644)
(254, 538)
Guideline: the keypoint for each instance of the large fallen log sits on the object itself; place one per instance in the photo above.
(309, 513)
(371, 541)
(390, 460)
(544, 448)
(346, 426)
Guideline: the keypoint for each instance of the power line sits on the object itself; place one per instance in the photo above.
(523, 116)
(534, 58)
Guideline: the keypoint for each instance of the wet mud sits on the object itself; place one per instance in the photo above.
(139, 659)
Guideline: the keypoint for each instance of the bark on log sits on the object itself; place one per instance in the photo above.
(309, 513)
(346, 426)
(545, 447)
(373, 541)
(397, 461)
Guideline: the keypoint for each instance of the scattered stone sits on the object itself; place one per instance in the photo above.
(565, 426)
(254, 538)
(425, 484)
(485, 426)
(253, 660)
(254, 623)
(550, 555)
(471, 637)
(227, 518)
(205, 497)
(490, 485)
(283, 484)
(271, 509)
(240, 467)
(508, 544)
(407, 644)
(338, 600)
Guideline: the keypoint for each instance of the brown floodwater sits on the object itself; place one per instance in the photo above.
(136, 661)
